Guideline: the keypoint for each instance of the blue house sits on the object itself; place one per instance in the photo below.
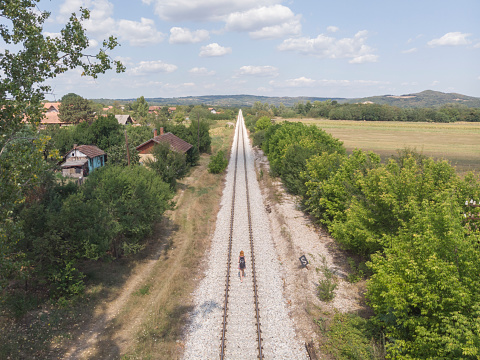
(83, 159)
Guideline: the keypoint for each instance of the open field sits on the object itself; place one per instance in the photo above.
(457, 142)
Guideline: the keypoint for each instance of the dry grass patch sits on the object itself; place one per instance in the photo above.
(160, 333)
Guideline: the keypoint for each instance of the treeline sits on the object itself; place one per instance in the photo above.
(370, 112)
(405, 217)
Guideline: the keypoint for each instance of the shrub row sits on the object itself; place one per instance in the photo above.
(406, 218)
(110, 215)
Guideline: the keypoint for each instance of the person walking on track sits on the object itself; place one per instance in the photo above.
(242, 265)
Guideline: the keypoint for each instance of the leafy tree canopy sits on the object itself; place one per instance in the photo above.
(29, 58)
(74, 109)
(140, 108)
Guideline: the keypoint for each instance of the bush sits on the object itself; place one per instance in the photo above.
(134, 198)
(351, 337)
(168, 164)
(263, 123)
(218, 163)
(258, 138)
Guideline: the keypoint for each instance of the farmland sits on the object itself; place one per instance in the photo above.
(457, 142)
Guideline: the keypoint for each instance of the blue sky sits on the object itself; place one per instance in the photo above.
(343, 48)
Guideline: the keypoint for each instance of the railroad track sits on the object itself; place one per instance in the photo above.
(239, 341)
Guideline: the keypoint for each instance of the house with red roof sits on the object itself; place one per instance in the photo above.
(51, 115)
(83, 159)
(145, 150)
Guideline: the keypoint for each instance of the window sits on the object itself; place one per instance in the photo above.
(78, 170)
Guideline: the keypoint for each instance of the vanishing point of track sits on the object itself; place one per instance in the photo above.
(240, 137)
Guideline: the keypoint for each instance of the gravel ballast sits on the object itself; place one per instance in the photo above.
(203, 336)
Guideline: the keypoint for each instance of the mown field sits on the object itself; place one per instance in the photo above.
(457, 142)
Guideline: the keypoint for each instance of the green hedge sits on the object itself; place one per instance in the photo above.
(406, 216)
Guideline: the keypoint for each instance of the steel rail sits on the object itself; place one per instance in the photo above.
(229, 259)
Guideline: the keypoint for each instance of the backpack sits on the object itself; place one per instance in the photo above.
(242, 262)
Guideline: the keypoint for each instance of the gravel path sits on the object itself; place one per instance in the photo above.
(204, 332)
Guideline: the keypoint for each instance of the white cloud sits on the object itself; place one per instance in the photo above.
(451, 39)
(203, 10)
(409, 41)
(214, 50)
(271, 32)
(102, 24)
(476, 46)
(263, 71)
(364, 59)
(92, 43)
(69, 7)
(180, 35)
(435, 83)
(265, 22)
(201, 71)
(332, 29)
(295, 83)
(409, 51)
(257, 18)
(139, 33)
(328, 47)
(152, 67)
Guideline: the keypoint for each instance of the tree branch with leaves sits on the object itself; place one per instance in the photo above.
(28, 59)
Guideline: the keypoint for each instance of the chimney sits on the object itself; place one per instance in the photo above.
(154, 132)
(161, 131)
(74, 146)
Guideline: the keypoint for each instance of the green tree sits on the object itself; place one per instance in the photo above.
(263, 123)
(28, 59)
(106, 132)
(140, 108)
(117, 155)
(139, 134)
(168, 164)
(217, 163)
(133, 198)
(426, 288)
(198, 112)
(179, 116)
(74, 109)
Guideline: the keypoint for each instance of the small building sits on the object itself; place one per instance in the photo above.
(176, 144)
(154, 109)
(51, 115)
(124, 119)
(83, 159)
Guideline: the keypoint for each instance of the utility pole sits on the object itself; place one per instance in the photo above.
(198, 132)
(128, 150)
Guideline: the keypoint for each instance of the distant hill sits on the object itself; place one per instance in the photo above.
(427, 98)
(223, 100)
